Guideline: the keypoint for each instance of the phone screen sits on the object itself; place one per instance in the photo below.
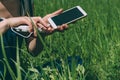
(67, 16)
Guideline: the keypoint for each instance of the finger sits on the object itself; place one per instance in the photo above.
(41, 26)
(65, 26)
(14, 22)
(62, 27)
(34, 25)
(50, 30)
(27, 22)
(57, 12)
(40, 20)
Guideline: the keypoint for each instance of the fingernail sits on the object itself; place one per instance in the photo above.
(48, 25)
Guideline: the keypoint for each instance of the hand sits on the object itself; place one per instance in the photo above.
(60, 28)
(30, 21)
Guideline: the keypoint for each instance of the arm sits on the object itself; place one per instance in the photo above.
(3, 26)
(33, 40)
(33, 43)
(16, 21)
(13, 22)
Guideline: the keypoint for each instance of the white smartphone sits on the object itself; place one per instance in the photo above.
(67, 16)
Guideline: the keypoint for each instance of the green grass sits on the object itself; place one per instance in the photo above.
(95, 39)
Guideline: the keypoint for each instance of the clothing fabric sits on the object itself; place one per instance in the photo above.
(10, 41)
(26, 7)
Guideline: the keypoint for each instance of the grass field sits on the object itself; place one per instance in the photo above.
(96, 39)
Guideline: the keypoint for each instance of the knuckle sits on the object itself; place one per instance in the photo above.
(39, 17)
(25, 17)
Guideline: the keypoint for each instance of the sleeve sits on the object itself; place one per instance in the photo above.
(26, 7)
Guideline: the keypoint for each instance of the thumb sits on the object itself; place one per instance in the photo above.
(57, 12)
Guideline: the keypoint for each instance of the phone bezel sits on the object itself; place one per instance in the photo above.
(78, 7)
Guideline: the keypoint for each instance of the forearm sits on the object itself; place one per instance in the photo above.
(3, 26)
(34, 45)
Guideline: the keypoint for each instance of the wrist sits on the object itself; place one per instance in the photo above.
(6, 22)
(3, 26)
